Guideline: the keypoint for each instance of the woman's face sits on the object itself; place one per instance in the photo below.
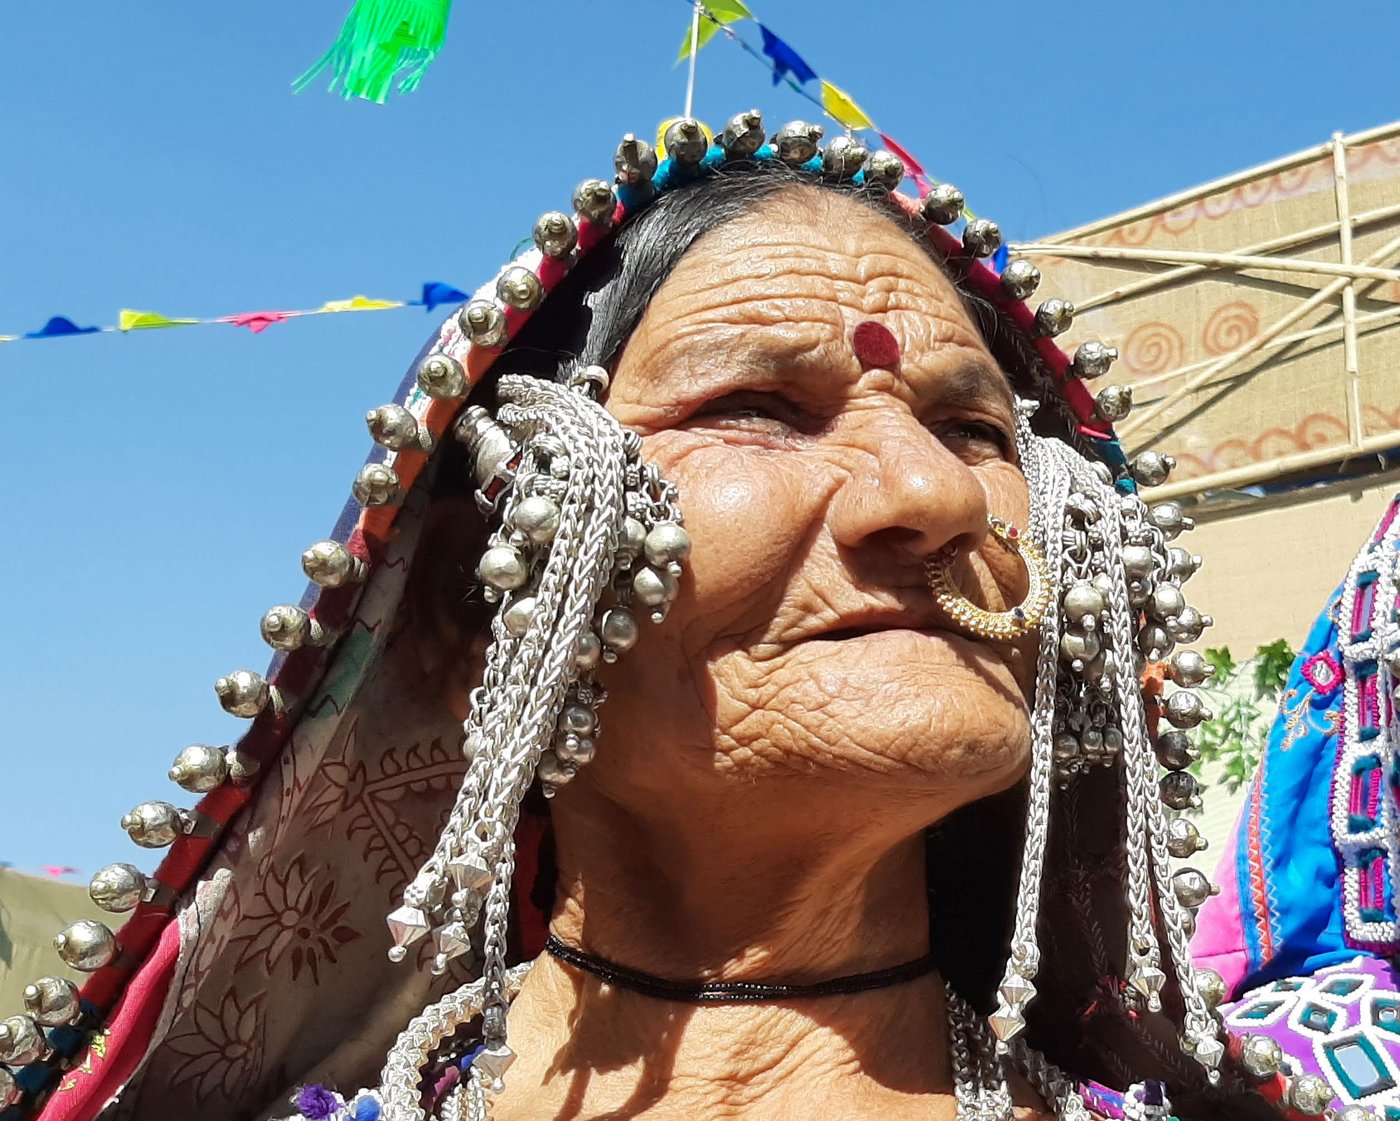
(815, 485)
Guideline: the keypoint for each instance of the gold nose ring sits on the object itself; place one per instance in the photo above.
(1015, 622)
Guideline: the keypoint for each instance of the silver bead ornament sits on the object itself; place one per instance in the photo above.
(1211, 986)
(686, 142)
(1054, 317)
(594, 199)
(518, 616)
(635, 161)
(1151, 469)
(1174, 751)
(200, 768)
(1185, 710)
(943, 205)
(503, 568)
(86, 945)
(1310, 1095)
(537, 517)
(494, 1060)
(1092, 360)
(1188, 925)
(1192, 888)
(982, 237)
(1354, 1113)
(553, 773)
(666, 543)
(1183, 838)
(395, 428)
(578, 719)
(1078, 648)
(589, 652)
(153, 825)
(330, 564)
(555, 234)
(1169, 518)
(519, 288)
(1084, 605)
(618, 630)
(884, 171)
(241, 768)
(1114, 402)
(842, 158)
(1138, 562)
(633, 540)
(406, 925)
(288, 627)
(376, 485)
(471, 871)
(9, 1089)
(1065, 747)
(1190, 624)
(243, 693)
(483, 323)
(1179, 790)
(22, 1041)
(1166, 602)
(578, 750)
(743, 134)
(118, 888)
(796, 142)
(1156, 642)
(1188, 668)
(53, 1002)
(489, 445)
(441, 376)
(1261, 1055)
(1020, 279)
(652, 587)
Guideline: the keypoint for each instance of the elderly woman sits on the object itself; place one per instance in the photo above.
(875, 828)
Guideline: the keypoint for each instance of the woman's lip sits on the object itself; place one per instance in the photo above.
(841, 634)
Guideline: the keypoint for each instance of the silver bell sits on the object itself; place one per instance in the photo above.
(153, 825)
(553, 773)
(555, 234)
(519, 615)
(1192, 888)
(1155, 642)
(1261, 1055)
(842, 158)
(395, 428)
(376, 485)
(1169, 518)
(743, 135)
(1054, 317)
(287, 627)
(53, 1002)
(943, 205)
(796, 142)
(1211, 986)
(503, 568)
(1187, 668)
(483, 323)
(1151, 469)
(1179, 790)
(635, 161)
(1310, 1095)
(884, 171)
(1174, 751)
(243, 693)
(982, 237)
(590, 651)
(331, 565)
(686, 142)
(1020, 279)
(667, 543)
(200, 768)
(537, 517)
(652, 587)
(441, 376)
(1114, 402)
(1138, 562)
(1166, 602)
(1184, 840)
(1190, 624)
(519, 288)
(22, 1041)
(1185, 710)
(1092, 360)
(118, 888)
(618, 630)
(86, 945)
(594, 199)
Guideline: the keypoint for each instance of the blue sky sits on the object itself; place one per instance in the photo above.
(162, 484)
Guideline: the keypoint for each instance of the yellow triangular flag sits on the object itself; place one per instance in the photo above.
(724, 12)
(667, 123)
(359, 303)
(8, 338)
(129, 320)
(838, 103)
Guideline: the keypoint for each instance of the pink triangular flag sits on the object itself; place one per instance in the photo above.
(258, 321)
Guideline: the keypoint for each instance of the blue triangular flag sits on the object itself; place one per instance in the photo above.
(1001, 258)
(785, 59)
(59, 326)
(436, 293)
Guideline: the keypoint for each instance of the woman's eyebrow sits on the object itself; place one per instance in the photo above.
(974, 383)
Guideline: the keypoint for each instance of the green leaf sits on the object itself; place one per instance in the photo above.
(1220, 658)
(1271, 666)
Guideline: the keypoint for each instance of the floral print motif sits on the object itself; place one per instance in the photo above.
(223, 1051)
(298, 918)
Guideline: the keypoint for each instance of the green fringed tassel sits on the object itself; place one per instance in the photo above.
(378, 40)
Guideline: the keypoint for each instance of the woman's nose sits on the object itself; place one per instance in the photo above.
(906, 491)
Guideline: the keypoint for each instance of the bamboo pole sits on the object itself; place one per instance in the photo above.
(1350, 353)
(1232, 261)
(1274, 468)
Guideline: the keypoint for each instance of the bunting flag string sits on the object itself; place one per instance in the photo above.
(435, 294)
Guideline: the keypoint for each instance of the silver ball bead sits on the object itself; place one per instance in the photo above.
(652, 587)
(884, 171)
(553, 772)
(1310, 1095)
(667, 543)
(743, 135)
(1150, 469)
(1169, 518)
(1065, 747)
(796, 142)
(331, 565)
(1138, 562)
(1190, 624)
(503, 568)
(86, 945)
(1184, 839)
(519, 615)
(1079, 647)
(686, 142)
(483, 323)
(442, 376)
(519, 288)
(619, 629)
(22, 1041)
(1054, 317)
(1092, 360)
(1188, 668)
(1179, 790)
(943, 205)
(633, 541)
(1166, 602)
(537, 517)
(1083, 600)
(555, 234)
(1192, 888)
(200, 768)
(1181, 564)
(1211, 986)
(1114, 402)
(1174, 751)
(153, 825)
(377, 484)
(578, 719)
(10, 1093)
(589, 652)
(594, 199)
(53, 1002)
(243, 693)
(842, 158)
(118, 888)
(578, 750)
(635, 161)
(1354, 1113)
(395, 428)
(285, 627)
(1155, 641)
(1261, 1055)
(981, 237)
(1020, 279)
(1185, 710)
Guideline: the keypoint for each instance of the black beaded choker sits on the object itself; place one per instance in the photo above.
(731, 992)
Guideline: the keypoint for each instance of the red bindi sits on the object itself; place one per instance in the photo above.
(875, 346)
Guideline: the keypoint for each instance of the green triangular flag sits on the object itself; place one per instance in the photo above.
(378, 40)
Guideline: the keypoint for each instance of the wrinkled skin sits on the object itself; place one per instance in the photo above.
(772, 752)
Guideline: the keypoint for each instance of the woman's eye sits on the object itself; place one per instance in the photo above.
(975, 434)
(748, 407)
